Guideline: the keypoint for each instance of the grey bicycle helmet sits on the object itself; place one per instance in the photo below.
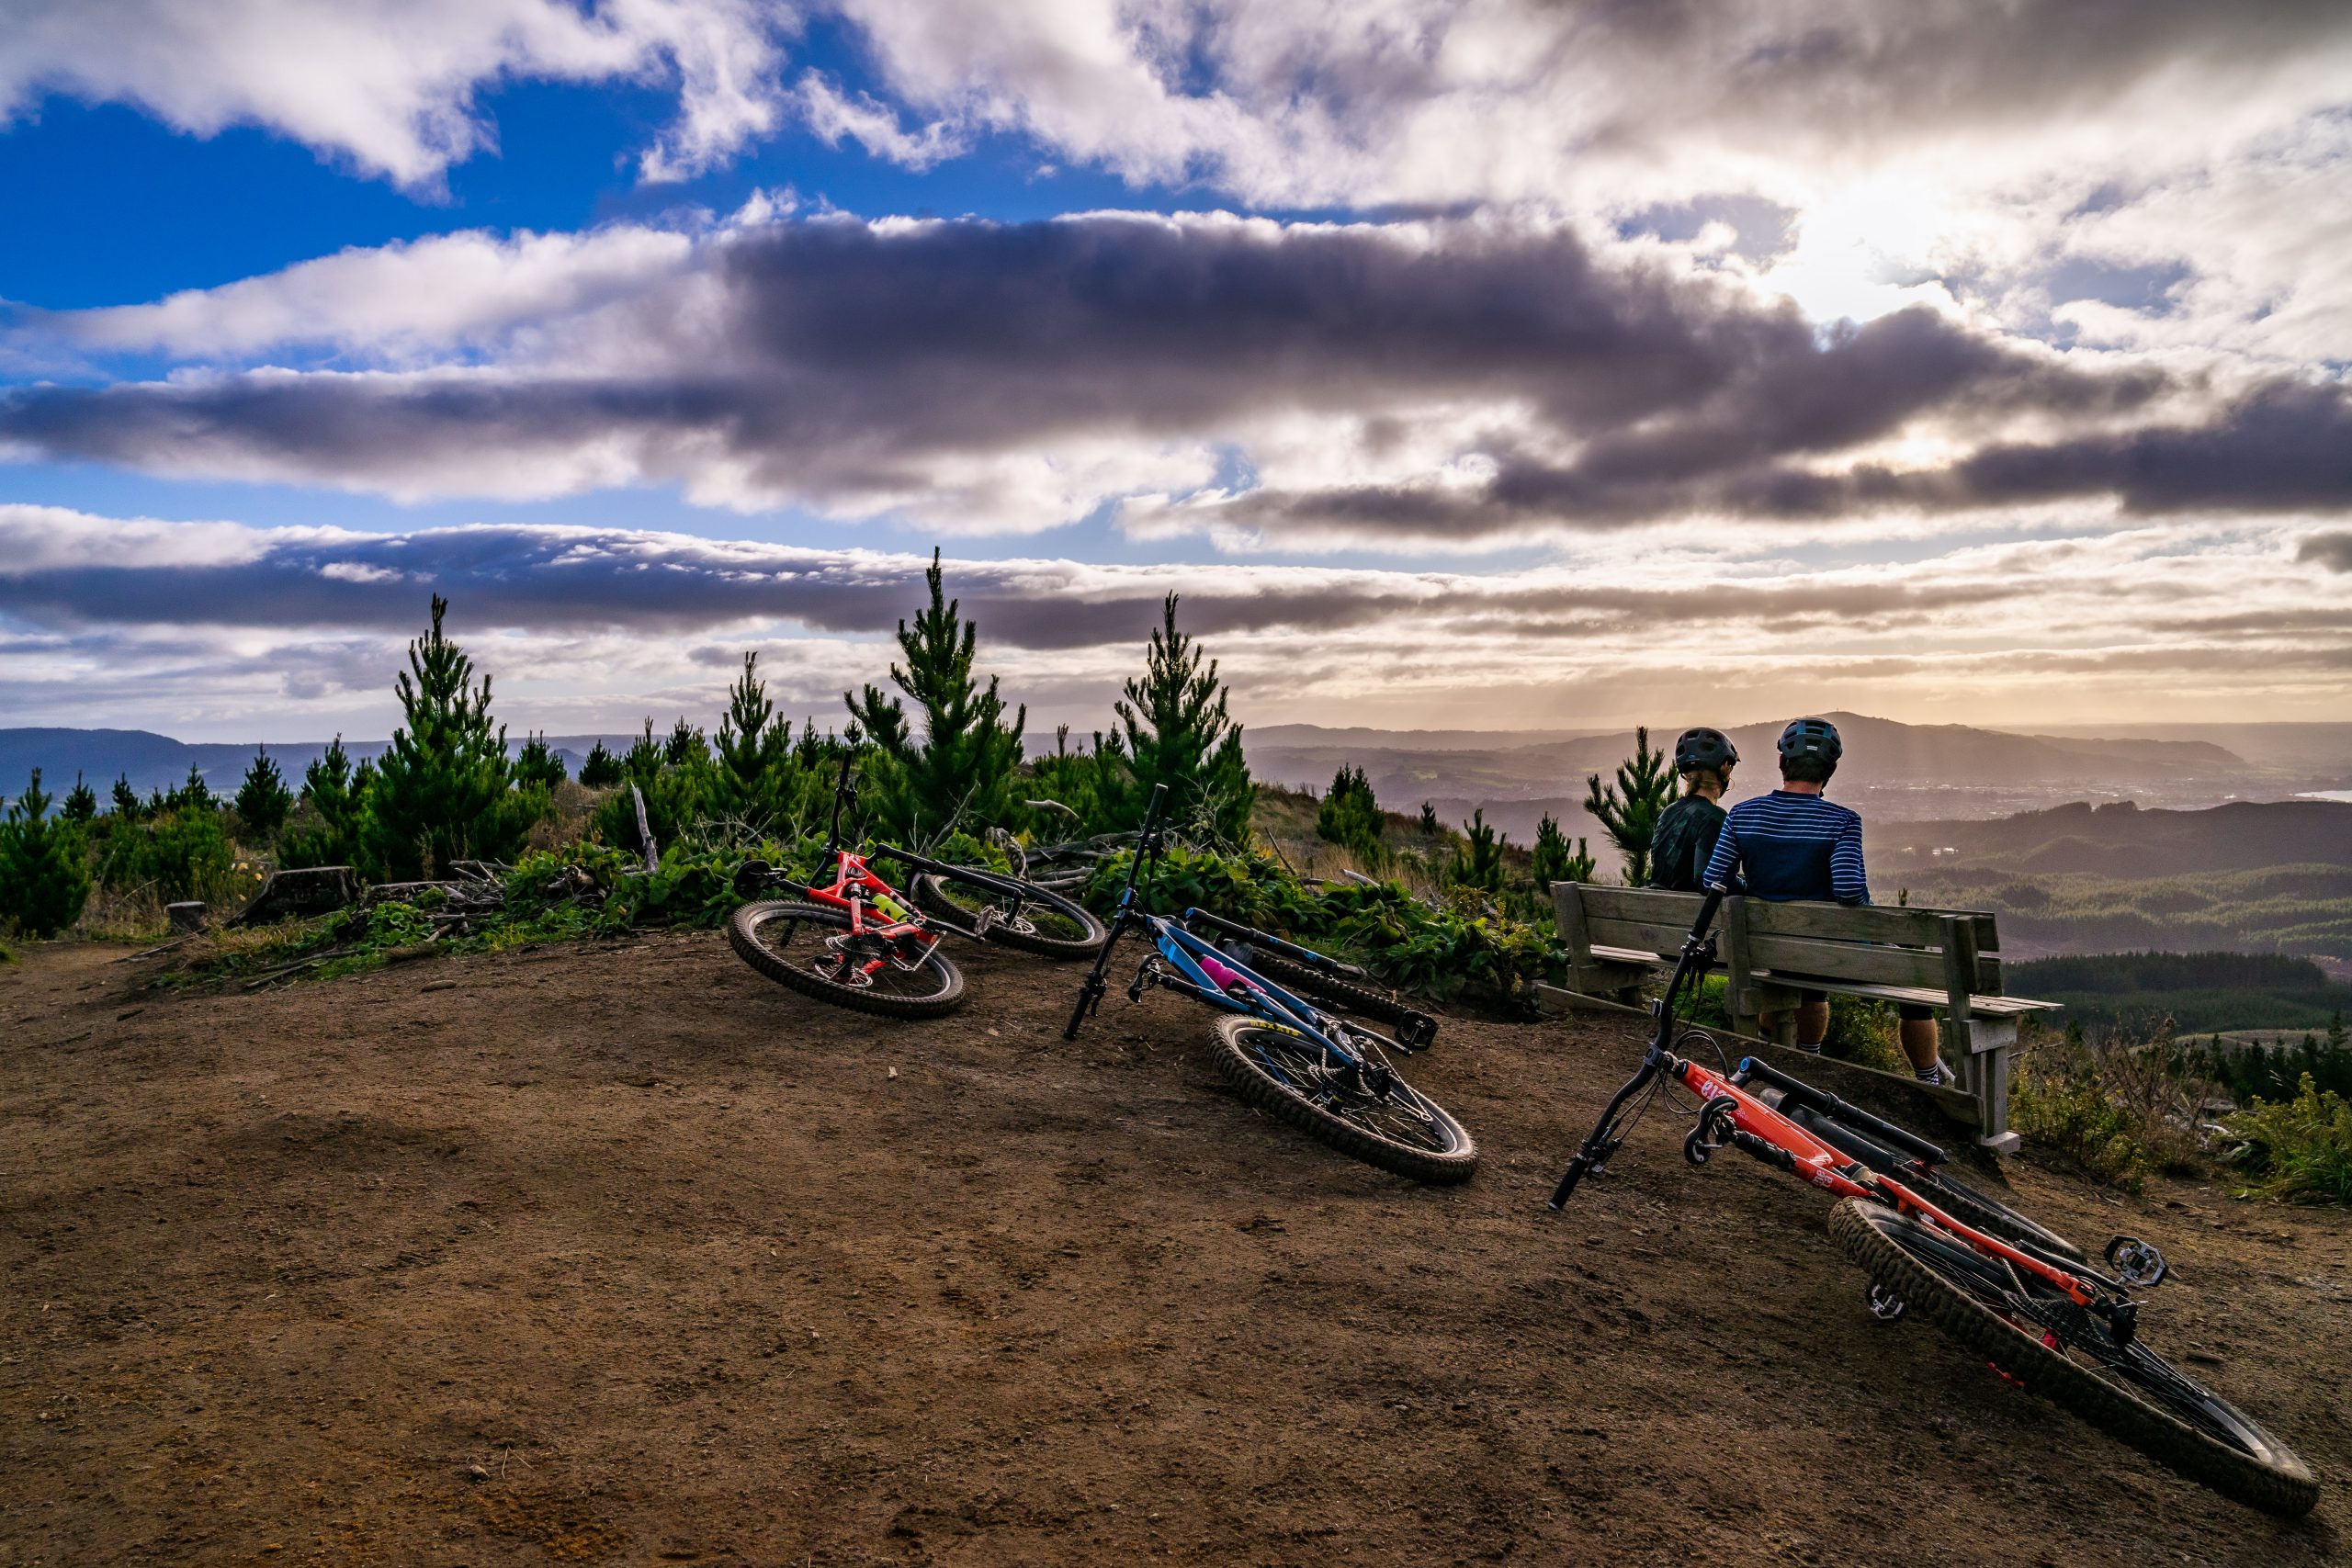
(1811, 740)
(1703, 749)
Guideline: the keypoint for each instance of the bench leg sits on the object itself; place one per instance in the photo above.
(1986, 1076)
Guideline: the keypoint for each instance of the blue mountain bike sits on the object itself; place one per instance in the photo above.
(1291, 1050)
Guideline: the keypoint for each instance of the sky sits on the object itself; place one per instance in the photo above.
(1483, 364)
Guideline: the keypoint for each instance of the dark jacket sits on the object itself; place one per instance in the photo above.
(1685, 839)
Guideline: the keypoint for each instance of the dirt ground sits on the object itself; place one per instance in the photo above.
(624, 1254)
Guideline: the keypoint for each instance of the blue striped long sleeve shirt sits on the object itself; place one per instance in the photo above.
(1790, 847)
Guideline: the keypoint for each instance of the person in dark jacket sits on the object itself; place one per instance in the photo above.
(1685, 837)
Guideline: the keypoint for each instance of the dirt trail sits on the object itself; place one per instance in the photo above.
(624, 1254)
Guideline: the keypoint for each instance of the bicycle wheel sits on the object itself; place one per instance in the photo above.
(2041, 1339)
(1378, 1118)
(1035, 921)
(810, 948)
(1338, 994)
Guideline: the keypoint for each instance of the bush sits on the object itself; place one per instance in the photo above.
(44, 865)
(177, 856)
(537, 764)
(325, 831)
(2119, 1109)
(2298, 1150)
(1441, 952)
(1350, 815)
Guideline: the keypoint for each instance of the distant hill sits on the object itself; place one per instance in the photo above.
(1892, 769)
(154, 761)
(2121, 841)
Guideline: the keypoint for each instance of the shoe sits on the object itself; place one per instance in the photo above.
(1812, 1050)
(1937, 1074)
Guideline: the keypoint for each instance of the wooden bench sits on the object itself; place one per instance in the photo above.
(1620, 939)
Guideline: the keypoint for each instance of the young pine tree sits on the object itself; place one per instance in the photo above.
(600, 769)
(1479, 863)
(753, 782)
(1628, 810)
(333, 797)
(1074, 779)
(1349, 814)
(1554, 862)
(537, 764)
(193, 795)
(441, 786)
(81, 803)
(685, 745)
(1177, 731)
(1429, 820)
(128, 807)
(959, 773)
(44, 865)
(262, 800)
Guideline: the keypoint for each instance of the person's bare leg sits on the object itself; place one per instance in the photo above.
(1812, 1025)
(1918, 1043)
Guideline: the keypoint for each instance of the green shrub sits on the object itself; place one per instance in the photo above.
(1442, 952)
(2298, 1150)
(1480, 862)
(2118, 1108)
(1349, 814)
(181, 854)
(44, 865)
(1554, 860)
(536, 763)
(325, 829)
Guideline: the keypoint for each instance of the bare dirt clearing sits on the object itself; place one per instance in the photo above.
(625, 1254)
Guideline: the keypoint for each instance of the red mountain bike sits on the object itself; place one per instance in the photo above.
(2029, 1302)
(857, 941)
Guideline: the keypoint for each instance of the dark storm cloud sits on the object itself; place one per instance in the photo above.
(563, 580)
(830, 361)
(2333, 551)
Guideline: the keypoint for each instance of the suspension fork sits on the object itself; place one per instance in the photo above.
(1090, 994)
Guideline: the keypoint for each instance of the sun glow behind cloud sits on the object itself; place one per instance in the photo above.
(1913, 302)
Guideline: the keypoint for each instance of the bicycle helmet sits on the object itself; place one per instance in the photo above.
(1811, 740)
(1703, 749)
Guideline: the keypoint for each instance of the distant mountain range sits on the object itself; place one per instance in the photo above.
(1892, 772)
(154, 761)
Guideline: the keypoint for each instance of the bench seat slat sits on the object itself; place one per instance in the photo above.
(1921, 996)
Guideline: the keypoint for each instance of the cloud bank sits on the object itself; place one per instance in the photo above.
(1402, 383)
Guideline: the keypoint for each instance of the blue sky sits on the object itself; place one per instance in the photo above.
(1496, 364)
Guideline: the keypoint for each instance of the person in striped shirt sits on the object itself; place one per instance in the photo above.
(1794, 844)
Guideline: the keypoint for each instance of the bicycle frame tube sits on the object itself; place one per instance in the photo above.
(854, 888)
(1833, 1171)
(1274, 1004)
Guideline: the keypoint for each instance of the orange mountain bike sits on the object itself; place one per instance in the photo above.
(857, 941)
(2026, 1300)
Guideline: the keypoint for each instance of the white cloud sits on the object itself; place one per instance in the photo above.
(391, 84)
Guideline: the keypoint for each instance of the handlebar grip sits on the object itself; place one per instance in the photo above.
(1567, 1184)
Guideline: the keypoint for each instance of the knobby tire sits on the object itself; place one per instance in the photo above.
(2262, 1474)
(1453, 1158)
(788, 960)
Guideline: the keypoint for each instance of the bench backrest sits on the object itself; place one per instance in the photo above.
(1871, 944)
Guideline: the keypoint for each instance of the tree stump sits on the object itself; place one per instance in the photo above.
(312, 890)
(186, 917)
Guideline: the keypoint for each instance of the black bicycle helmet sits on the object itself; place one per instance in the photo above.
(1703, 749)
(1811, 740)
